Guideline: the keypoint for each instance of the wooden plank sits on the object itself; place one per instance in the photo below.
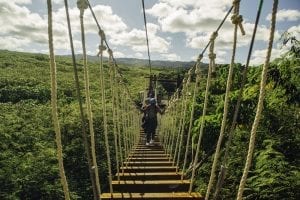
(142, 169)
(150, 176)
(149, 163)
(152, 196)
(151, 185)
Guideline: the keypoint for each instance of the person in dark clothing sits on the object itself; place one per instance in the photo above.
(150, 120)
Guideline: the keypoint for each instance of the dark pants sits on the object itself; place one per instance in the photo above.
(149, 128)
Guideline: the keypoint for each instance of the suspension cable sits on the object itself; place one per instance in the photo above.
(55, 120)
(237, 21)
(237, 106)
(259, 104)
(82, 117)
(148, 49)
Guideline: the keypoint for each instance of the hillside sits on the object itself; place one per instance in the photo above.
(28, 164)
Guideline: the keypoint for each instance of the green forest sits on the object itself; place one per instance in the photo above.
(28, 162)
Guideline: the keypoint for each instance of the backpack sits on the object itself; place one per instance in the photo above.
(151, 112)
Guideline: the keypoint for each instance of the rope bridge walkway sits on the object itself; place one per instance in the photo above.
(150, 173)
(167, 169)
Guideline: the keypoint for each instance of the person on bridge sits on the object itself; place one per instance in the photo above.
(150, 120)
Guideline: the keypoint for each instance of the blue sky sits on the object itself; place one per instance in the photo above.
(178, 30)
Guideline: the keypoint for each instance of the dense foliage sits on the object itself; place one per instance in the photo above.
(28, 165)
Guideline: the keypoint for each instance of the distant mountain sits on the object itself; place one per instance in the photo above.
(143, 62)
(154, 63)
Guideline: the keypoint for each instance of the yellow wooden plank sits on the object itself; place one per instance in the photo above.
(153, 195)
(152, 182)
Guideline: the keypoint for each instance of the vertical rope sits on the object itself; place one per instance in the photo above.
(82, 117)
(237, 107)
(111, 64)
(197, 72)
(179, 118)
(236, 20)
(189, 131)
(212, 57)
(259, 105)
(183, 120)
(55, 120)
(118, 117)
(82, 4)
(103, 97)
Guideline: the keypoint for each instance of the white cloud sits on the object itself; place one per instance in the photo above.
(59, 2)
(259, 56)
(176, 15)
(286, 15)
(171, 56)
(12, 43)
(20, 26)
(19, 1)
(138, 55)
(295, 31)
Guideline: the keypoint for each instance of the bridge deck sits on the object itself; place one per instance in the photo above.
(149, 173)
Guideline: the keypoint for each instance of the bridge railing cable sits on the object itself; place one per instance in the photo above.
(260, 102)
(82, 116)
(237, 21)
(223, 169)
(54, 109)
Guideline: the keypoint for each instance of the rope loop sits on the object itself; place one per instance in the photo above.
(82, 5)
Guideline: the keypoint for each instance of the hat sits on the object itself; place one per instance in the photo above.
(152, 101)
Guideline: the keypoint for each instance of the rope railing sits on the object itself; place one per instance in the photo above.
(55, 119)
(237, 21)
(259, 104)
(223, 169)
(82, 116)
(126, 119)
(82, 5)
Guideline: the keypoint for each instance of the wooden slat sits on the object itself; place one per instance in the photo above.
(141, 169)
(152, 196)
(150, 176)
(151, 185)
(149, 163)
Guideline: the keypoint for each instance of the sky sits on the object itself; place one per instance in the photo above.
(178, 29)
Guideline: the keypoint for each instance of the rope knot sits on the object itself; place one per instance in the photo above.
(82, 5)
(199, 57)
(197, 70)
(102, 35)
(236, 2)
(212, 56)
(101, 49)
(110, 52)
(213, 36)
(237, 20)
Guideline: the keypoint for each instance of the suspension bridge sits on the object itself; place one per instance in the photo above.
(161, 170)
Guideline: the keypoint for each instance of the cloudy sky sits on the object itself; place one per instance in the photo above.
(178, 29)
